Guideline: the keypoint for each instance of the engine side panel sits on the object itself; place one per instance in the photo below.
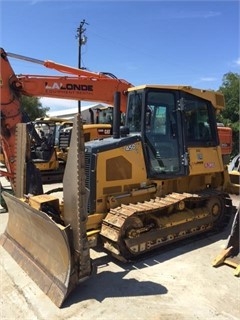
(205, 160)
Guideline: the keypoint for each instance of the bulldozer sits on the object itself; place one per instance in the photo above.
(157, 180)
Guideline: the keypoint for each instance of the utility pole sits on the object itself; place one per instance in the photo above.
(82, 39)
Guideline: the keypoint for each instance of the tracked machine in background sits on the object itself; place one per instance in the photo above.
(159, 179)
(50, 140)
(48, 151)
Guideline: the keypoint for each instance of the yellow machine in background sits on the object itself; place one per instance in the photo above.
(234, 170)
(50, 139)
(50, 152)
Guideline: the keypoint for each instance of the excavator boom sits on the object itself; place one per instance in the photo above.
(84, 85)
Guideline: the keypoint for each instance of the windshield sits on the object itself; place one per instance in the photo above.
(153, 113)
(105, 116)
(161, 132)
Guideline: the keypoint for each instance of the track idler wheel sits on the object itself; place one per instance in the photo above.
(215, 207)
(131, 228)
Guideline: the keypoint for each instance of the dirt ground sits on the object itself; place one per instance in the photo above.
(177, 283)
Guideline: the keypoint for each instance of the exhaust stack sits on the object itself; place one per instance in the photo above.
(116, 115)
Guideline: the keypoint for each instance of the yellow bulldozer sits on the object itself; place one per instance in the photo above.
(158, 179)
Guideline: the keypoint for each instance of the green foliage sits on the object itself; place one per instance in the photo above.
(230, 114)
(33, 107)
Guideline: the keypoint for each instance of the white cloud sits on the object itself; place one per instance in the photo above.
(63, 104)
(211, 14)
(208, 79)
(195, 14)
(237, 62)
(60, 104)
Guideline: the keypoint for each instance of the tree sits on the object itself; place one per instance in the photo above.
(230, 114)
(33, 107)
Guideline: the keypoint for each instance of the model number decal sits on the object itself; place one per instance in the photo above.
(130, 147)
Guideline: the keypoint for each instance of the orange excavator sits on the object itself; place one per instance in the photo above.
(77, 85)
(158, 179)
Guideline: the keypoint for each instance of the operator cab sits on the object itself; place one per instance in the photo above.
(170, 121)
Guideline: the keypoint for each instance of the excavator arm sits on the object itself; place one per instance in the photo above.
(84, 85)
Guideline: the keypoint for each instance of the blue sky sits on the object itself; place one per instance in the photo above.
(155, 42)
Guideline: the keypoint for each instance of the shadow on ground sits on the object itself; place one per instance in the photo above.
(112, 284)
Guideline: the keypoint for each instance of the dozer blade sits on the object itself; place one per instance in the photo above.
(231, 255)
(56, 256)
(39, 246)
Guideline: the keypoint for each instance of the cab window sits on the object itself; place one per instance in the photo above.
(133, 120)
(198, 125)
